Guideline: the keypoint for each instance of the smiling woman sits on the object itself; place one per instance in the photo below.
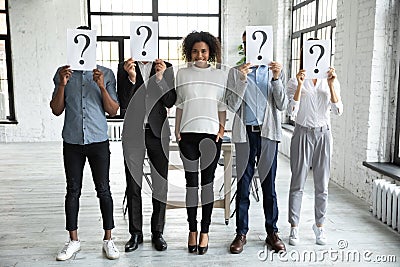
(199, 130)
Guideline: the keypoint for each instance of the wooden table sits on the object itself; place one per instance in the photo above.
(222, 202)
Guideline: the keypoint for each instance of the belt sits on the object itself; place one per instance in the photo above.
(321, 128)
(254, 128)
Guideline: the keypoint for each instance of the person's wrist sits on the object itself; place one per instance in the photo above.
(132, 79)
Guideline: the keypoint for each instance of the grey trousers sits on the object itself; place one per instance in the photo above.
(310, 147)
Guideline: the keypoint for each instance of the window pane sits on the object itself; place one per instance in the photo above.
(105, 5)
(189, 6)
(107, 54)
(127, 6)
(3, 24)
(170, 49)
(115, 25)
(181, 26)
(4, 107)
(2, 5)
(127, 49)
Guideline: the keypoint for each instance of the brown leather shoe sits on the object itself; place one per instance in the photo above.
(237, 244)
(275, 242)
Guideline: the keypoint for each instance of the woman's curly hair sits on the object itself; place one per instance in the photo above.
(195, 37)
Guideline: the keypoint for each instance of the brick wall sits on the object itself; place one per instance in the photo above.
(364, 61)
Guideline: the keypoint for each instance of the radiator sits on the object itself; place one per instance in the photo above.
(115, 130)
(386, 202)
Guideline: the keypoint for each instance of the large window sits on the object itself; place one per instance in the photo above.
(7, 112)
(311, 19)
(111, 19)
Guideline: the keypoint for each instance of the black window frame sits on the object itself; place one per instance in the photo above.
(155, 17)
(10, 118)
(396, 156)
(313, 30)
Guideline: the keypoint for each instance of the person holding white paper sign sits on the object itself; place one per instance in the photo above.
(257, 95)
(86, 96)
(310, 103)
(148, 88)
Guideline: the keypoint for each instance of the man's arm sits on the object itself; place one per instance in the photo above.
(236, 86)
(165, 79)
(125, 85)
(110, 105)
(278, 87)
(57, 103)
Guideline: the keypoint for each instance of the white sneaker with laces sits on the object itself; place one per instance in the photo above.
(110, 249)
(320, 237)
(70, 248)
(294, 236)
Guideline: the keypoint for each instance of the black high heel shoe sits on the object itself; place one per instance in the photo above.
(203, 250)
(192, 248)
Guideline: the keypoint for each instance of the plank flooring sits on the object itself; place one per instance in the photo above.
(32, 220)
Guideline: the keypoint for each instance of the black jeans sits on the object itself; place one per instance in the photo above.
(200, 148)
(98, 155)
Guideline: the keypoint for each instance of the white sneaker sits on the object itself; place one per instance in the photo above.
(69, 250)
(294, 236)
(110, 249)
(320, 237)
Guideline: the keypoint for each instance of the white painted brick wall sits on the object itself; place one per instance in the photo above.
(364, 62)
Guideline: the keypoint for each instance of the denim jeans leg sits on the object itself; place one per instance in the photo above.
(245, 162)
(270, 203)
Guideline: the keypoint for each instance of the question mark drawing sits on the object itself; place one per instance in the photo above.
(149, 33)
(262, 43)
(87, 43)
(322, 49)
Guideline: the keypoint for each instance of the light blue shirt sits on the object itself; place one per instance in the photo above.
(256, 95)
(85, 120)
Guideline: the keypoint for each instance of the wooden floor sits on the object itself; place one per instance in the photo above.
(32, 221)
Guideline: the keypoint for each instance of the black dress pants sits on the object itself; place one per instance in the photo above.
(158, 153)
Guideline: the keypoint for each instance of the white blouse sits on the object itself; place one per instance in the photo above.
(314, 107)
(200, 95)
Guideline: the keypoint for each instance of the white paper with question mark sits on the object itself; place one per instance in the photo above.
(316, 58)
(259, 45)
(81, 49)
(144, 40)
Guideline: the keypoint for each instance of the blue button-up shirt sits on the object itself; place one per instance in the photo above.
(85, 121)
(256, 95)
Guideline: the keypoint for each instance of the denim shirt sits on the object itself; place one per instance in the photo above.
(276, 102)
(85, 121)
(256, 95)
